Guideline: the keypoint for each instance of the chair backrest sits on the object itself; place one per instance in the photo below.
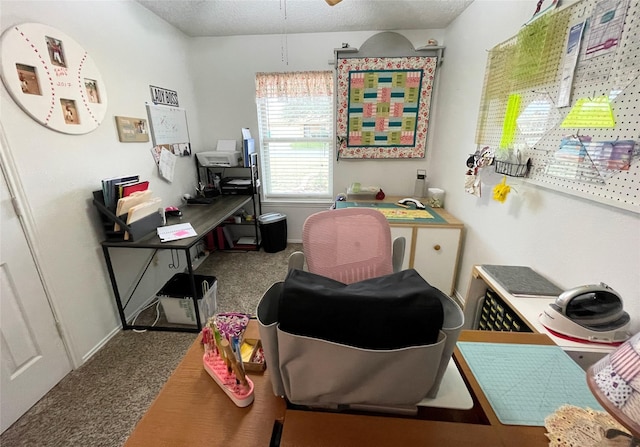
(348, 244)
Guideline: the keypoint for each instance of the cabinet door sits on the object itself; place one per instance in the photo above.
(405, 232)
(436, 255)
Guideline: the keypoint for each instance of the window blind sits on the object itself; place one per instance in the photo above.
(295, 123)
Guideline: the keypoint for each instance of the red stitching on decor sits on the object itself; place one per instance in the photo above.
(82, 89)
(45, 69)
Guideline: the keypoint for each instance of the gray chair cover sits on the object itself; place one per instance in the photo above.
(315, 372)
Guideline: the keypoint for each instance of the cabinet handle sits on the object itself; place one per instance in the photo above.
(436, 247)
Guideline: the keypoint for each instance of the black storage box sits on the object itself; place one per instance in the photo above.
(177, 301)
(273, 228)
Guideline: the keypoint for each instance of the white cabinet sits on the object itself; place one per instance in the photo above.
(432, 249)
(436, 256)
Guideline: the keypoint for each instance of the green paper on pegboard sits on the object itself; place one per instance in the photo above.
(509, 125)
(588, 112)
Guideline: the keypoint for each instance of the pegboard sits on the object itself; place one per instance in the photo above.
(531, 66)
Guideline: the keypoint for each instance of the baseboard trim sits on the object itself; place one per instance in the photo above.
(117, 329)
(100, 344)
(459, 299)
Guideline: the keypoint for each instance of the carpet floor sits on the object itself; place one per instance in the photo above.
(99, 404)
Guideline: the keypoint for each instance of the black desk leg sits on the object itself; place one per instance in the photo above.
(194, 296)
(114, 286)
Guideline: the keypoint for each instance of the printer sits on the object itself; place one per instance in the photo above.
(219, 158)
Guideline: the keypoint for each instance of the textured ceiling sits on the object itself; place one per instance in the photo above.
(250, 17)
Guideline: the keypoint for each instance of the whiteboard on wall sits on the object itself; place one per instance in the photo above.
(168, 125)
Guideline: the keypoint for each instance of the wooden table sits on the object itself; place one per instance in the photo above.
(191, 410)
(476, 427)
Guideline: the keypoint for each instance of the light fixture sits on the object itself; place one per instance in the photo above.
(615, 382)
(332, 2)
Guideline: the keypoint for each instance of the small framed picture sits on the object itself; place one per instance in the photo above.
(132, 130)
(56, 53)
(91, 86)
(69, 111)
(28, 79)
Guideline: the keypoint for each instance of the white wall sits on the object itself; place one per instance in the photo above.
(570, 240)
(132, 49)
(552, 232)
(224, 72)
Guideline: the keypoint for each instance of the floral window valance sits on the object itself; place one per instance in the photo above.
(294, 84)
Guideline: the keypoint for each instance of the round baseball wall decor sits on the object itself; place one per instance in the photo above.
(52, 78)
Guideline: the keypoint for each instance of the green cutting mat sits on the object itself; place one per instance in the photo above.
(526, 383)
(398, 214)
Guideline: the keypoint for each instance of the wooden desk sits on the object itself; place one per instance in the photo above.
(191, 410)
(302, 428)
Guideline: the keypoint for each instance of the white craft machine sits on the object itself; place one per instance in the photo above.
(219, 158)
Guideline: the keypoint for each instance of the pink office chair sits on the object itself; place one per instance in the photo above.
(349, 245)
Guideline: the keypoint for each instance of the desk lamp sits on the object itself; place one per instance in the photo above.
(615, 382)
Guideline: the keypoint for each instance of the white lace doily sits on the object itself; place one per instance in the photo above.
(572, 426)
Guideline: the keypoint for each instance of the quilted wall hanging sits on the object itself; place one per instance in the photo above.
(383, 106)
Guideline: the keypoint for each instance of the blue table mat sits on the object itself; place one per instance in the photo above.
(526, 383)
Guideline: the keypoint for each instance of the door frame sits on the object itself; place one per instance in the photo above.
(27, 223)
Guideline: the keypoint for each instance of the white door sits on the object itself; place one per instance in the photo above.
(33, 356)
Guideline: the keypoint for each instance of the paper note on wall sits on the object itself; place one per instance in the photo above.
(167, 165)
(569, 64)
(226, 145)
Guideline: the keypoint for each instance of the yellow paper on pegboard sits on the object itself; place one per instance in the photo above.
(588, 112)
(509, 125)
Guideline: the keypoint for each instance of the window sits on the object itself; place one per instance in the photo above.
(295, 122)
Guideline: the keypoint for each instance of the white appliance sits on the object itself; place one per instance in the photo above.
(590, 313)
(219, 158)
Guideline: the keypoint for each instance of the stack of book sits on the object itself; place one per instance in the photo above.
(116, 188)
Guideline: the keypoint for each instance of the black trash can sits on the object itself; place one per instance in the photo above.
(273, 228)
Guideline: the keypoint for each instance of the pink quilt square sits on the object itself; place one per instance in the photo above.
(384, 95)
(406, 138)
(368, 110)
(382, 124)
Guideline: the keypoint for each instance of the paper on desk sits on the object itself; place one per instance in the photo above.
(239, 181)
(174, 232)
(226, 146)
